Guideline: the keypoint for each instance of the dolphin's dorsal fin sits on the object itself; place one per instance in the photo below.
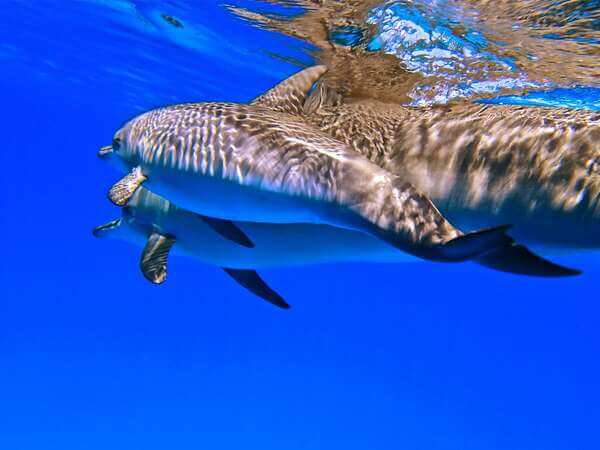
(154, 257)
(289, 95)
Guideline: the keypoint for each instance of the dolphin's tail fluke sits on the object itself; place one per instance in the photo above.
(520, 260)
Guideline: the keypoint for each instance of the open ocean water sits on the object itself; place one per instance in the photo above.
(371, 356)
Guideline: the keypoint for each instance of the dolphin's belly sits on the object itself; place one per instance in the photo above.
(276, 245)
(216, 197)
(287, 245)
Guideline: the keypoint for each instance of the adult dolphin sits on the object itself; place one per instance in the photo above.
(262, 162)
(536, 168)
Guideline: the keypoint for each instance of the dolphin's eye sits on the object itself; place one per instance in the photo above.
(116, 144)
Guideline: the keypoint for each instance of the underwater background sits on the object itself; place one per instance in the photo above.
(371, 356)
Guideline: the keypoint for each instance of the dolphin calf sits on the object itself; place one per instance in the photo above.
(262, 162)
(536, 168)
(161, 227)
(158, 226)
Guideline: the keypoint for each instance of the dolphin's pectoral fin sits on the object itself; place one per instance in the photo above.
(289, 95)
(228, 230)
(122, 191)
(252, 281)
(520, 260)
(103, 230)
(154, 257)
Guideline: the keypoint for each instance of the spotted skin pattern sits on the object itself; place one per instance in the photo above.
(274, 151)
(122, 191)
(505, 163)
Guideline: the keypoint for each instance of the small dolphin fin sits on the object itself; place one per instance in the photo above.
(289, 95)
(103, 230)
(321, 96)
(122, 191)
(228, 230)
(520, 260)
(471, 245)
(252, 281)
(154, 257)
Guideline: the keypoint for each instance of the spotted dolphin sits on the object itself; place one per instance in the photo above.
(262, 162)
(536, 168)
(161, 227)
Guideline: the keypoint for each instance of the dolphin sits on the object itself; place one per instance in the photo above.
(160, 227)
(263, 162)
(536, 168)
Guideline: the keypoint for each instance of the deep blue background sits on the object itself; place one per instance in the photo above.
(414, 356)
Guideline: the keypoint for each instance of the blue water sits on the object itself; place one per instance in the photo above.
(576, 98)
(413, 356)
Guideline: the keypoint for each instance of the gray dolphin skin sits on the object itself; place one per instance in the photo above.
(263, 162)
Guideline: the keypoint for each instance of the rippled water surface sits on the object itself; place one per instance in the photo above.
(449, 50)
(390, 356)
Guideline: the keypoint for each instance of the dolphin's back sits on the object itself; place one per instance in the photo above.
(538, 168)
(249, 145)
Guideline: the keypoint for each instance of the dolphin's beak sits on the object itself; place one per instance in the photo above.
(105, 152)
